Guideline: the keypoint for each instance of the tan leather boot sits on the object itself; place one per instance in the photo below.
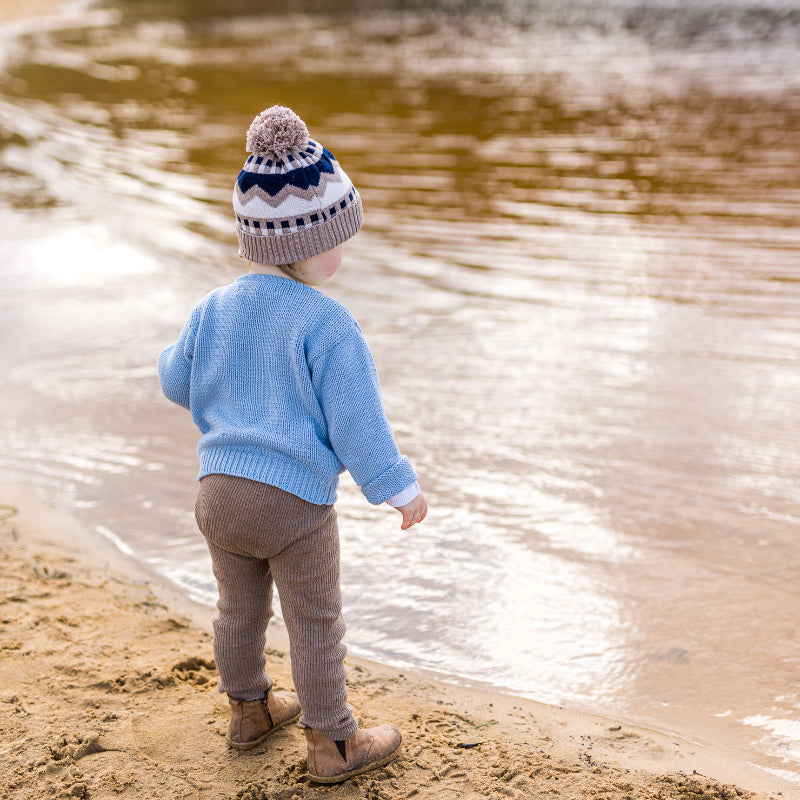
(367, 748)
(252, 721)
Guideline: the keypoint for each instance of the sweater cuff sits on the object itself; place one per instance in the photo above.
(395, 479)
(404, 497)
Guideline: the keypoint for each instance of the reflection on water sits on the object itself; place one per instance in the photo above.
(582, 235)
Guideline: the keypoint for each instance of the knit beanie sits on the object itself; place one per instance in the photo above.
(292, 199)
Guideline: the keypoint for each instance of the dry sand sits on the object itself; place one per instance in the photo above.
(107, 690)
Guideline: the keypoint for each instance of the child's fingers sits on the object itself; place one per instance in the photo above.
(413, 512)
(414, 515)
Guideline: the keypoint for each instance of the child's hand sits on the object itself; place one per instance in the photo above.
(413, 512)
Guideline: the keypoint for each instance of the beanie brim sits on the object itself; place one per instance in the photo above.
(295, 244)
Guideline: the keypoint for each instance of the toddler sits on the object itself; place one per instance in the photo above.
(282, 385)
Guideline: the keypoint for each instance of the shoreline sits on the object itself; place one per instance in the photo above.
(109, 690)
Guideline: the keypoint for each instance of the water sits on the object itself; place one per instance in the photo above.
(580, 280)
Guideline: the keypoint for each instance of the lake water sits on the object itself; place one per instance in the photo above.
(580, 278)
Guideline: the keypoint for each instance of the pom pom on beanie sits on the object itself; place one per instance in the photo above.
(276, 131)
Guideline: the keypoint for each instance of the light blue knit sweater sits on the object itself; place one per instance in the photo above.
(284, 390)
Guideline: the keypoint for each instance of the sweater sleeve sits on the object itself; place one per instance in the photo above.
(346, 384)
(175, 366)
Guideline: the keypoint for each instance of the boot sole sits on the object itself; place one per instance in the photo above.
(257, 742)
(343, 776)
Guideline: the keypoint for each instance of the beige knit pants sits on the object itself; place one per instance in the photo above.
(258, 534)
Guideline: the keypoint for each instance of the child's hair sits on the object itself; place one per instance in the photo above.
(290, 270)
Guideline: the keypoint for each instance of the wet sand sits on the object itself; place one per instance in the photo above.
(109, 690)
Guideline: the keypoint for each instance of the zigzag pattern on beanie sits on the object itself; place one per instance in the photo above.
(271, 182)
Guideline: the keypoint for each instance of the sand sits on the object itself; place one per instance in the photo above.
(108, 690)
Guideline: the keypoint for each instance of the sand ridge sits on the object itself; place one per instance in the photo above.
(107, 691)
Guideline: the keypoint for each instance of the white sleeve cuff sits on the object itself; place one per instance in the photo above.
(404, 497)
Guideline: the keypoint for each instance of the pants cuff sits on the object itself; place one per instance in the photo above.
(337, 734)
(249, 693)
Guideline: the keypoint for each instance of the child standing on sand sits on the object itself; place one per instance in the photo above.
(282, 386)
